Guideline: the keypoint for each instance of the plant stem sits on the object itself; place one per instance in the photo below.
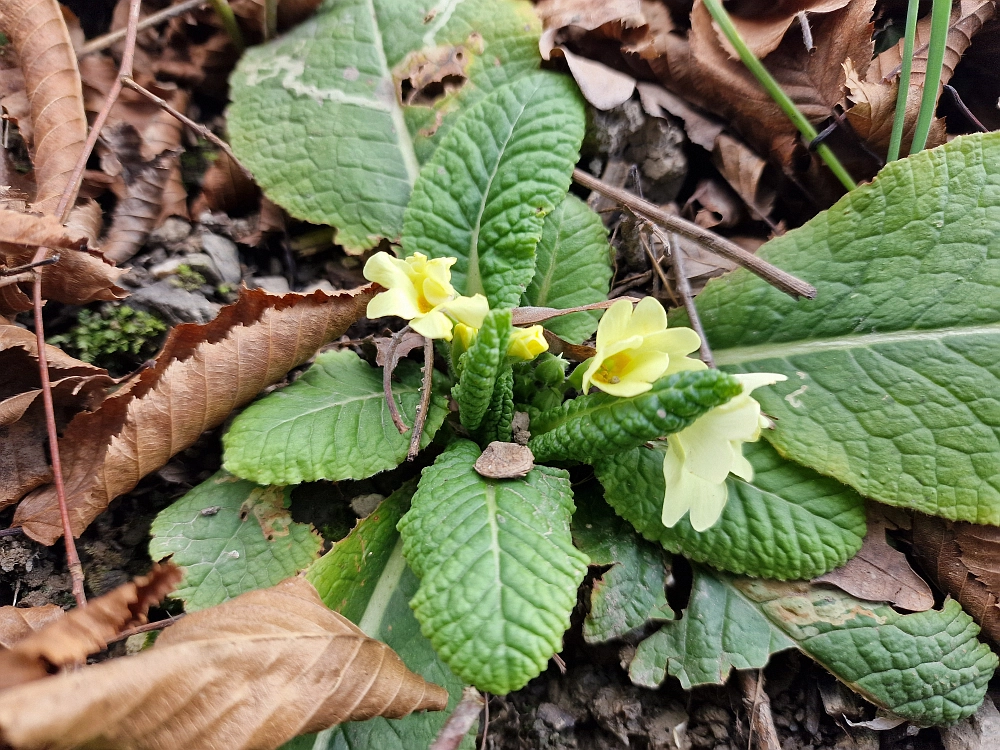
(229, 23)
(387, 370)
(270, 19)
(684, 287)
(940, 18)
(425, 400)
(103, 42)
(909, 38)
(755, 66)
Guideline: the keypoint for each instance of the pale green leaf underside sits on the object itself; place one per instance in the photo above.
(498, 569)
(332, 423)
(572, 268)
(633, 589)
(231, 536)
(365, 578)
(893, 373)
(317, 115)
(926, 667)
(484, 194)
(790, 522)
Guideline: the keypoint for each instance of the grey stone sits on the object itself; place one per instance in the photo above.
(981, 731)
(272, 284)
(170, 232)
(555, 717)
(173, 303)
(223, 252)
(200, 262)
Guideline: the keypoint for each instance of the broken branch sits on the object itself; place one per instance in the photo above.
(425, 400)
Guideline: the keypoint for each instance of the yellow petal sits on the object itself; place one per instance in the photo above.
(683, 364)
(677, 496)
(397, 301)
(646, 366)
(469, 310)
(435, 292)
(741, 467)
(614, 323)
(709, 453)
(753, 380)
(464, 335)
(648, 317)
(527, 343)
(433, 325)
(388, 271)
(677, 342)
(623, 389)
(708, 506)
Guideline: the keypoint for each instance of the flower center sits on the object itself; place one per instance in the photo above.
(612, 370)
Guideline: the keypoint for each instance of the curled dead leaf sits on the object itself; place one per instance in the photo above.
(202, 373)
(17, 623)
(68, 640)
(505, 461)
(39, 35)
(250, 673)
(763, 31)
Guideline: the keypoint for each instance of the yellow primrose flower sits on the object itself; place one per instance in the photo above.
(699, 458)
(420, 291)
(527, 343)
(635, 349)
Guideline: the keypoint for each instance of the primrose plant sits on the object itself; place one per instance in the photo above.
(541, 455)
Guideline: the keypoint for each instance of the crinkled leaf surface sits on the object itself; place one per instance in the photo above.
(926, 667)
(633, 589)
(231, 536)
(483, 196)
(790, 522)
(481, 366)
(892, 369)
(573, 268)
(365, 578)
(318, 114)
(598, 424)
(497, 565)
(332, 423)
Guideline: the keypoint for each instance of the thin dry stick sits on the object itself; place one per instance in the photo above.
(199, 129)
(460, 721)
(425, 400)
(758, 706)
(390, 366)
(147, 628)
(684, 287)
(103, 42)
(12, 531)
(486, 720)
(62, 211)
(709, 240)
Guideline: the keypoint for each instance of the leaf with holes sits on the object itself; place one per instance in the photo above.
(332, 423)
(498, 570)
(926, 667)
(573, 268)
(483, 196)
(335, 117)
(230, 536)
(789, 522)
(892, 375)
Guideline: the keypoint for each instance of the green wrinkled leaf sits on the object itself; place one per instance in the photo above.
(633, 589)
(498, 569)
(231, 536)
(365, 578)
(499, 419)
(481, 366)
(599, 424)
(484, 194)
(892, 369)
(332, 423)
(317, 114)
(927, 667)
(573, 268)
(790, 522)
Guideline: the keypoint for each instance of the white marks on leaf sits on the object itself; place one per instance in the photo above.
(793, 397)
(437, 18)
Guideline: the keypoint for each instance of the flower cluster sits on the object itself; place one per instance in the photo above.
(634, 349)
(420, 291)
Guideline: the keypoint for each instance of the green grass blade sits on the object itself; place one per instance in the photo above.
(910, 35)
(940, 16)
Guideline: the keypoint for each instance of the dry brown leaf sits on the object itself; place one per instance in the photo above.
(69, 640)
(29, 231)
(200, 376)
(585, 15)
(86, 220)
(52, 82)
(702, 129)
(18, 622)
(763, 32)
(136, 215)
(964, 560)
(250, 673)
(880, 572)
(713, 204)
(505, 461)
(744, 170)
(226, 187)
(602, 86)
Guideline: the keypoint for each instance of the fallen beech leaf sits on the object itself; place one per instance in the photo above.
(964, 560)
(31, 230)
(200, 376)
(881, 573)
(763, 32)
(87, 220)
(226, 187)
(411, 340)
(587, 15)
(526, 316)
(86, 630)
(250, 673)
(702, 129)
(136, 215)
(52, 82)
(505, 461)
(572, 352)
(602, 86)
(714, 205)
(18, 622)
(744, 170)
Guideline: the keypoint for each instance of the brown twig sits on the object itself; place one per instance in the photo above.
(486, 719)
(684, 288)
(425, 400)
(103, 42)
(12, 531)
(460, 721)
(196, 127)
(147, 628)
(758, 707)
(390, 366)
(709, 240)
